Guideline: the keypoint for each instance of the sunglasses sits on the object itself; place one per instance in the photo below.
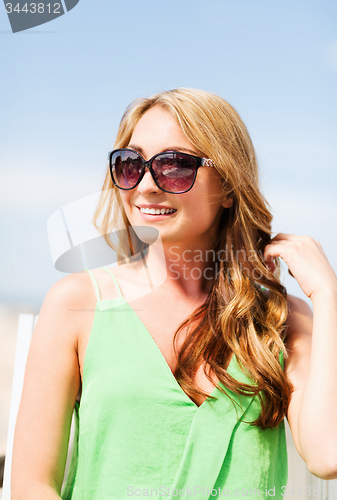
(172, 171)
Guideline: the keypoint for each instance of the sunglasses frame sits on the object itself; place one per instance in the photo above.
(201, 162)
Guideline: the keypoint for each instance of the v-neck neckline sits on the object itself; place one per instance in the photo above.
(173, 378)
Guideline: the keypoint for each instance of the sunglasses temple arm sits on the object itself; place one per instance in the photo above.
(207, 162)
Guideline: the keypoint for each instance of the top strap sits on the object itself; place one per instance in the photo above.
(115, 281)
(94, 283)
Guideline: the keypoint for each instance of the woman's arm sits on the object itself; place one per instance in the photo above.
(312, 345)
(51, 385)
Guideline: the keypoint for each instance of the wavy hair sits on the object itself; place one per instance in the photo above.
(246, 309)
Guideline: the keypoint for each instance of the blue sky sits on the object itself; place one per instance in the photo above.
(65, 85)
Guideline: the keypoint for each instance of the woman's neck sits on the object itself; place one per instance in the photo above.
(181, 269)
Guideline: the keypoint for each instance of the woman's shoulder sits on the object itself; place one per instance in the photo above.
(61, 313)
(299, 320)
(296, 305)
(74, 290)
(67, 312)
(298, 310)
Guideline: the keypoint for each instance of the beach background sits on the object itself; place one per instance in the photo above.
(64, 88)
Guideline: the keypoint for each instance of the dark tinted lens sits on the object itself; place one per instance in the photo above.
(174, 172)
(127, 165)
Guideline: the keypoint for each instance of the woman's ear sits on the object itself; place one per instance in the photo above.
(228, 202)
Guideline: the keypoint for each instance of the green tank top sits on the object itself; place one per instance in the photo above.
(140, 435)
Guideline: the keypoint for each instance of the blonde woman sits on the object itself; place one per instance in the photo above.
(181, 389)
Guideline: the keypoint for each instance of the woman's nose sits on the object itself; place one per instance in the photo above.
(147, 184)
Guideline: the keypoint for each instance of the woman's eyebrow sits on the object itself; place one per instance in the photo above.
(179, 148)
(136, 148)
(171, 148)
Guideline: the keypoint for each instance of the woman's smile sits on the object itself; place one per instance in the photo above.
(155, 210)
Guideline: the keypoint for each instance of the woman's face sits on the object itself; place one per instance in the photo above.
(197, 213)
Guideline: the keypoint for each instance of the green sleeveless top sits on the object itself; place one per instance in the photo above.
(140, 435)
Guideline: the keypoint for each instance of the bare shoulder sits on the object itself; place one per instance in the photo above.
(299, 321)
(297, 305)
(298, 341)
(299, 331)
(73, 290)
(65, 312)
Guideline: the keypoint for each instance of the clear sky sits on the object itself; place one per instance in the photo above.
(65, 85)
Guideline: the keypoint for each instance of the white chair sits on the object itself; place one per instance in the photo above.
(302, 485)
(26, 327)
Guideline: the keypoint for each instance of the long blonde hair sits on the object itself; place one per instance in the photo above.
(246, 309)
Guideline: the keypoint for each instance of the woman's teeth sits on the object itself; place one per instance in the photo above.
(154, 211)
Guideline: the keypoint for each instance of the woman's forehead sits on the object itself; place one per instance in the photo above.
(157, 130)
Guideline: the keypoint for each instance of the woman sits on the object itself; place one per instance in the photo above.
(184, 392)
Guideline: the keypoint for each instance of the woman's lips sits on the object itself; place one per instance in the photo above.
(156, 210)
(150, 213)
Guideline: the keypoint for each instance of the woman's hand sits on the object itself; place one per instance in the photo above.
(306, 261)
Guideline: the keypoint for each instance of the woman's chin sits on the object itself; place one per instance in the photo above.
(147, 234)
